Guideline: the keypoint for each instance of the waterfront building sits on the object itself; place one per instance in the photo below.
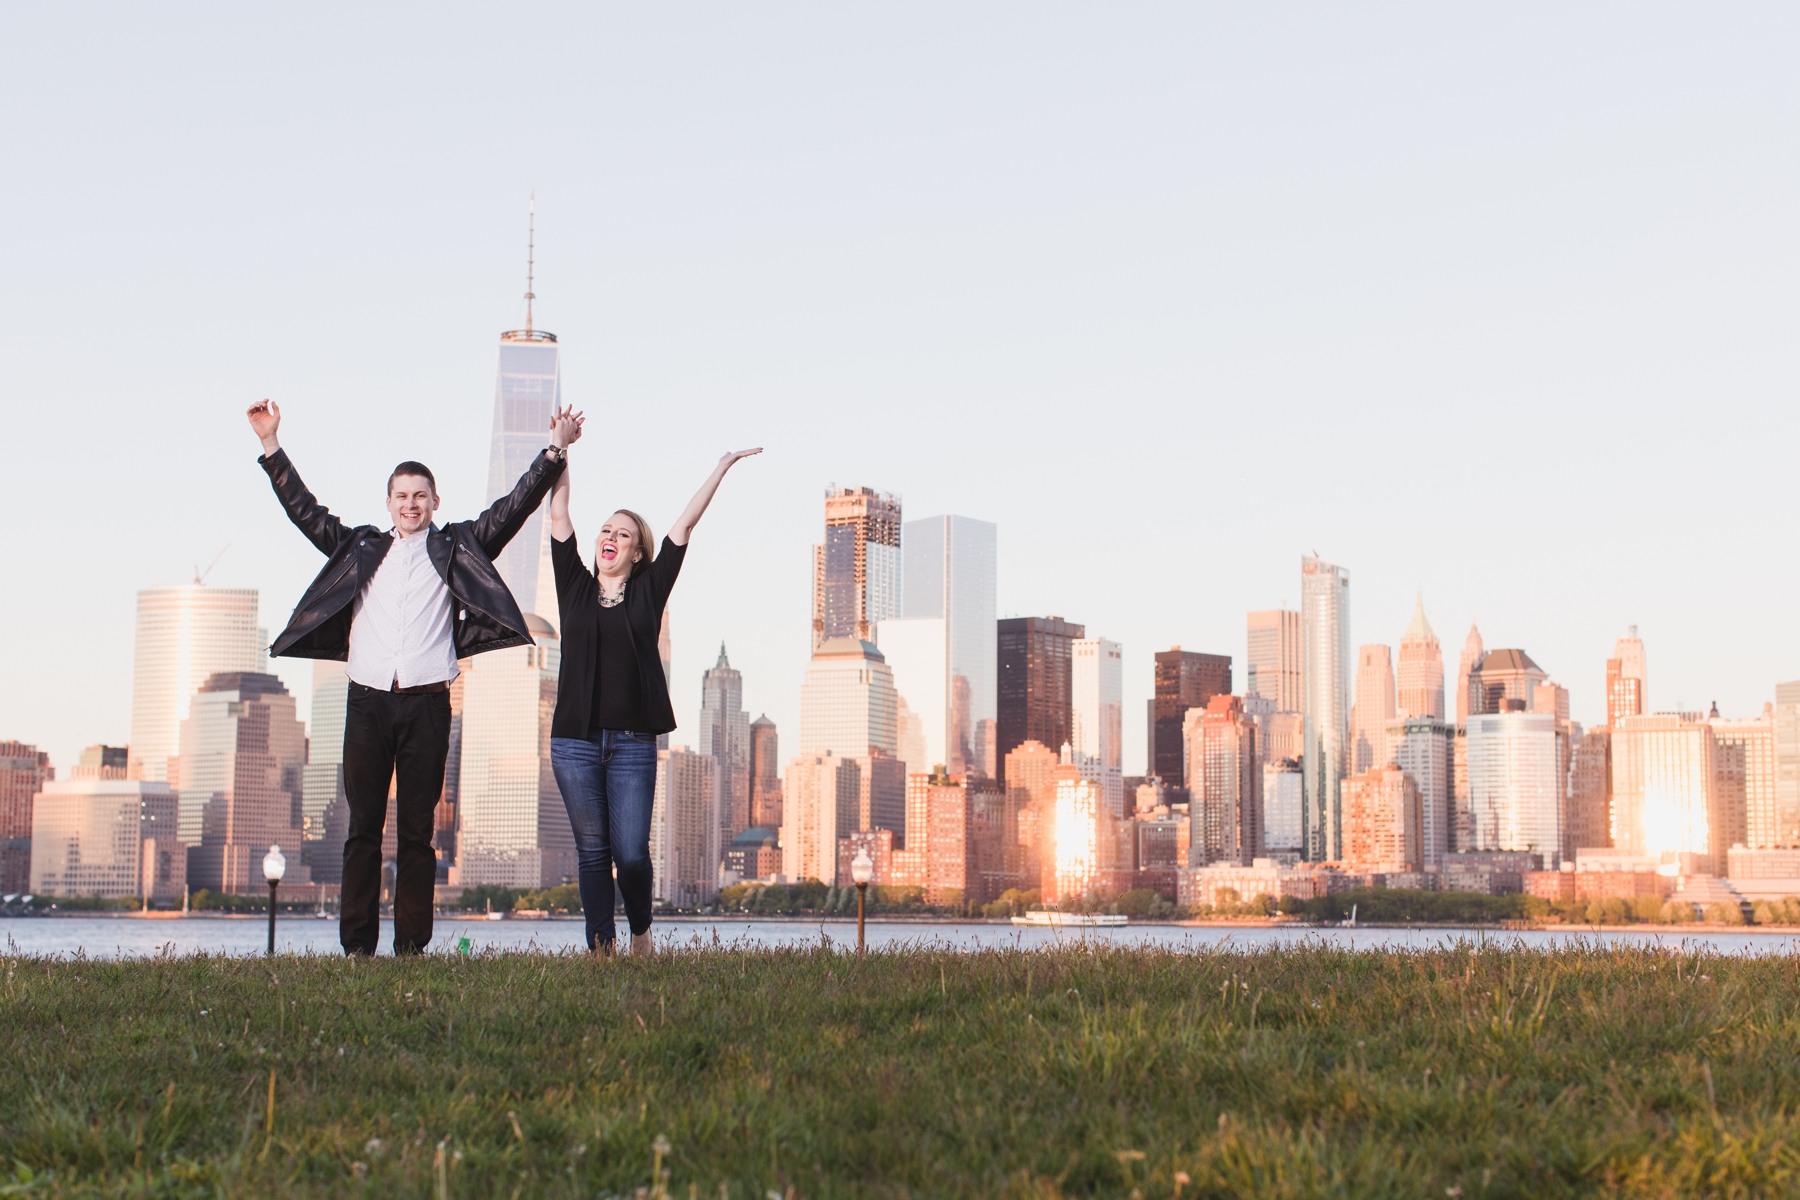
(1382, 822)
(1373, 711)
(1029, 768)
(513, 829)
(1084, 851)
(1034, 693)
(765, 774)
(243, 751)
(1466, 663)
(938, 857)
(848, 702)
(1515, 785)
(1787, 763)
(1225, 884)
(109, 837)
(823, 794)
(1161, 845)
(725, 735)
(857, 568)
(1097, 713)
(1744, 782)
(1627, 680)
(685, 846)
(1282, 789)
(755, 853)
(1424, 747)
(1325, 701)
(1421, 668)
(185, 635)
(1272, 658)
(1664, 789)
(1225, 779)
(949, 569)
(1185, 679)
(527, 389)
(23, 772)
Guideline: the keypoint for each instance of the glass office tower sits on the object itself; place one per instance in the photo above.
(1324, 702)
(948, 573)
(528, 389)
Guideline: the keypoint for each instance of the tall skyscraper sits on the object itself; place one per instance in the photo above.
(1225, 777)
(1325, 701)
(23, 772)
(684, 828)
(243, 753)
(1373, 711)
(1382, 822)
(1424, 747)
(1035, 669)
(725, 735)
(1787, 763)
(1466, 664)
(1744, 783)
(185, 635)
(856, 569)
(765, 774)
(527, 389)
(1097, 713)
(513, 828)
(949, 576)
(847, 702)
(1283, 787)
(1627, 682)
(1184, 679)
(1515, 788)
(1421, 668)
(97, 836)
(1273, 657)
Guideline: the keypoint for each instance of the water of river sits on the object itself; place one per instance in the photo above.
(118, 936)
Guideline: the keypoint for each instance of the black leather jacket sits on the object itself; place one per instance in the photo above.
(487, 616)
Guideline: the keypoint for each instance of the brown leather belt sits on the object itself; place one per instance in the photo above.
(442, 685)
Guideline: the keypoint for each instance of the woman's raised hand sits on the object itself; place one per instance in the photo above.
(565, 426)
(732, 456)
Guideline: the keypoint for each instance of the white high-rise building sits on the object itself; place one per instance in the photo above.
(1097, 714)
(185, 635)
(948, 573)
(513, 829)
(684, 828)
(1665, 788)
(917, 654)
(821, 803)
(1325, 685)
(1282, 789)
(527, 389)
(847, 701)
(1515, 784)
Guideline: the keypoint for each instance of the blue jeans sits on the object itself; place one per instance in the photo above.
(608, 780)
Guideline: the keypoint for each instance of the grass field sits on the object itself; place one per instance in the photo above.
(1295, 1072)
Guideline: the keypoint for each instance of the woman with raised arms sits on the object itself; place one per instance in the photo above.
(611, 698)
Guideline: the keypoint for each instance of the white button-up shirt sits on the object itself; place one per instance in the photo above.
(400, 628)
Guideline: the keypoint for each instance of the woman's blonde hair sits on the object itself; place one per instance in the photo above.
(646, 543)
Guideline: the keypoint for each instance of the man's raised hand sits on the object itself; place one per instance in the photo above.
(265, 419)
(565, 427)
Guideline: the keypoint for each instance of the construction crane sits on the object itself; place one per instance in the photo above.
(199, 575)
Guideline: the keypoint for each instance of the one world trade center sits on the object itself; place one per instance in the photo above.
(527, 390)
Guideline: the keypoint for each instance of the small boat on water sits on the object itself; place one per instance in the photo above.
(1065, 920)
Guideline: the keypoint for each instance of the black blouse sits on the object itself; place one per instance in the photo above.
(612, 675)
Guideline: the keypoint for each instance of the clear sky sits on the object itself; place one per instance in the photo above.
(1497, 302)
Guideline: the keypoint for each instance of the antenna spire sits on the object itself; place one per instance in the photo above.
(530, 255)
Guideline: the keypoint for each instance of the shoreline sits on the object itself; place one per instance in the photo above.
(1691, 928)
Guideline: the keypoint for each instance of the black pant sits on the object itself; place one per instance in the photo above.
(404, 738)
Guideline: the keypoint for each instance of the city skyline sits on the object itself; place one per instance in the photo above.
(709, 201)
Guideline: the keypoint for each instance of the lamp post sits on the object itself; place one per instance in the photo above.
(274, 867)
(862, 868)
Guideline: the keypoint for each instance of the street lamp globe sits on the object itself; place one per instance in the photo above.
(274, 865)
(862, 867)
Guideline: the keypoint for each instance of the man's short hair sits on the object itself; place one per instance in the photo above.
(409, 467)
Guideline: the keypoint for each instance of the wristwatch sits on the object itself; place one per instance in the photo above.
(557, 453)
